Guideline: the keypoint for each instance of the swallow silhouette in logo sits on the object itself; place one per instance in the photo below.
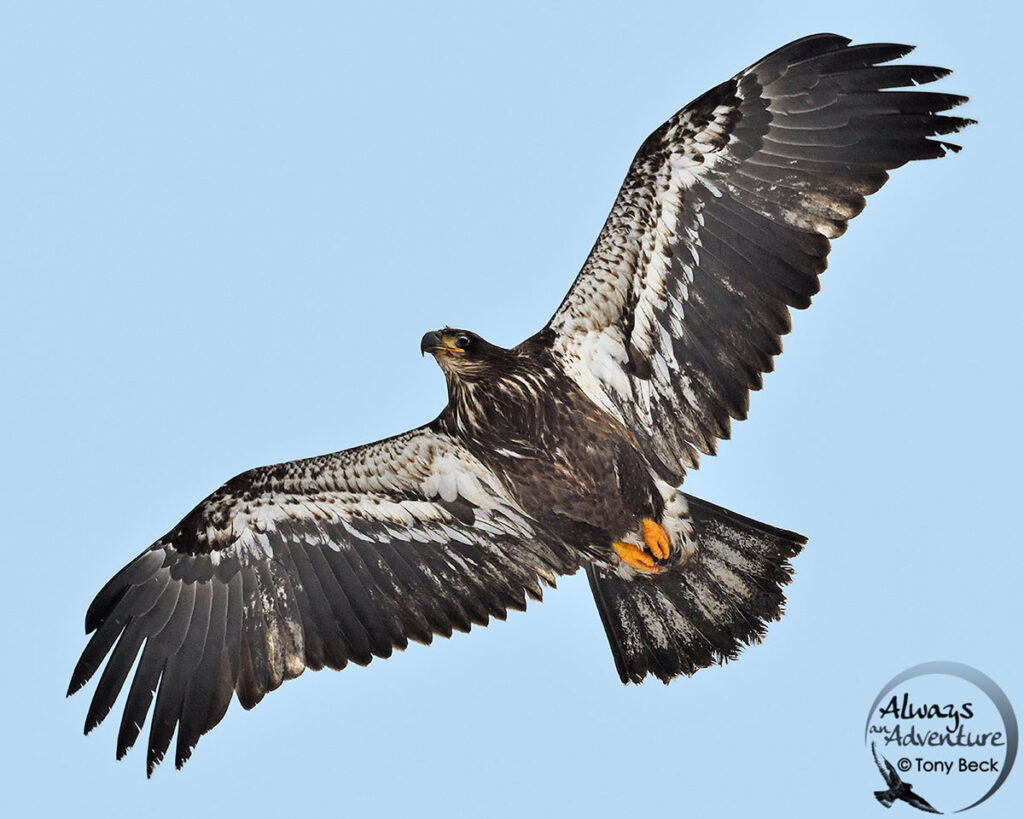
(898, 789)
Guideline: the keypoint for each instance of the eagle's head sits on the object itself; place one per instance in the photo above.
(464, 355)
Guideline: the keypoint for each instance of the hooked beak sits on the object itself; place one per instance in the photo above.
(435, 343)
(431, 343)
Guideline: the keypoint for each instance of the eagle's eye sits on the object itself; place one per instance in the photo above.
(462, 342)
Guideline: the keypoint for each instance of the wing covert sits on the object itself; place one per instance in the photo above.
(723, 223)
(311, 563)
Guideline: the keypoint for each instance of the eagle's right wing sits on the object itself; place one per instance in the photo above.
(723, 223)
(304, 564)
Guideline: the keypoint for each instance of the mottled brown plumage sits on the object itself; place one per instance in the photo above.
(564, 451)
(572, 466)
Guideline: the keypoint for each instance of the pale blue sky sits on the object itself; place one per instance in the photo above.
(222, 234)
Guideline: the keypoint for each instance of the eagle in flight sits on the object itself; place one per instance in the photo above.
(565, 451)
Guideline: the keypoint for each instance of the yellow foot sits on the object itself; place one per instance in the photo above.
(655, 538)
(634, 556)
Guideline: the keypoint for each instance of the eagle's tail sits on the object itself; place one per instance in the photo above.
(704, 611)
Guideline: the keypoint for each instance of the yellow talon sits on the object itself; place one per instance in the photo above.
(634, 556)
(655, 538)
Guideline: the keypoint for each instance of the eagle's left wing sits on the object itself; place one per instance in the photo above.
(318, 562)
(723, 223)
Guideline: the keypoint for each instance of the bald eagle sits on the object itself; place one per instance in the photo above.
(563, 452)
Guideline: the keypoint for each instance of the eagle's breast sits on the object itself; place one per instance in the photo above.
(567, 462)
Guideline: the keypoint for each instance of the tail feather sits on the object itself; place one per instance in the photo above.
(695, 614)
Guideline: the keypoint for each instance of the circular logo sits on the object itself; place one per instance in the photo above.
(943, 737)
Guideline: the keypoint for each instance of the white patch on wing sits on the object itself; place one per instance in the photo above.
(650, 248)
(448, 487)
(363, 494)
(607, 355)
(255, 545)
(470, 489)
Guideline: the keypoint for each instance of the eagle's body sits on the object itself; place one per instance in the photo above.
(535, 428)
(563, 452)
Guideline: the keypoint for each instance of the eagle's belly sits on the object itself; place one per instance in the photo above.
(585, 481)
(568, 463)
